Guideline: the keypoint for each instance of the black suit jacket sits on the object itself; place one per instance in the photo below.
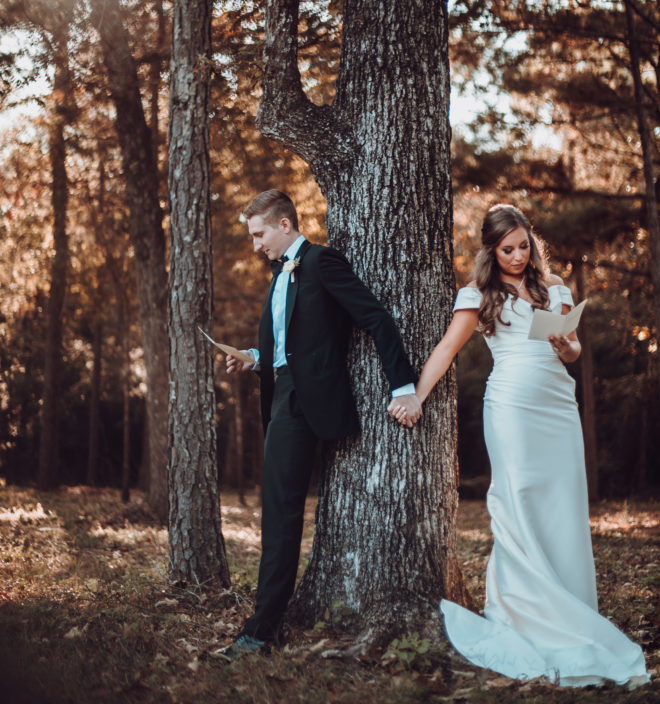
(323, 302)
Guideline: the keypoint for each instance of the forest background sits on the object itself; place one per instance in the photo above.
(544, 116)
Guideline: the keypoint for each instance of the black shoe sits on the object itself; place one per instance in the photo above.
(243, 645)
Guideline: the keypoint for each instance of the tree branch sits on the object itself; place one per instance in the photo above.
(285, 113)
(646, 17)
(567, 191)
(605, 264)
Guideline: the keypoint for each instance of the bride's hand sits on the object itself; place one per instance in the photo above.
(405, 409)
(567, 350)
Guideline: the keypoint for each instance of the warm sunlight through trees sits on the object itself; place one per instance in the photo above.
(553, 127)
(129, 459)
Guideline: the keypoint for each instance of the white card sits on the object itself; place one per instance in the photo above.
(228, 349)
(545, 323)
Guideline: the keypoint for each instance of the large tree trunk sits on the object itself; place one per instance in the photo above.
(197, 550)
(385, 536)
(652, 218)
(147, 236)
(48, 471)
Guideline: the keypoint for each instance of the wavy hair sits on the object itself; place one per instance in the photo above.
(500, 220)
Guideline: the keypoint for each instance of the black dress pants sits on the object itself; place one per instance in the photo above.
(288, 459)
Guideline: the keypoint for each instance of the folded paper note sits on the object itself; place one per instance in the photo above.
(228, 349)
(545, 323)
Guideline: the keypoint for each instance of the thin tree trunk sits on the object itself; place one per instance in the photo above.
(258, 454)
(640, 484)
(197, 550)
(146, 230)
(94, 403)
(651, 202)
(143, 478)
(48, 471)
(230, 457)
(114, 266)
(240, 391)
(126, 398)
(588, 395)
(154, 79)
(385, 538)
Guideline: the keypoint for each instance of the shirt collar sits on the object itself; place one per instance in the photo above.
(293, 249)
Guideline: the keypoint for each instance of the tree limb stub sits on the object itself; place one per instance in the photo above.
(285, 113)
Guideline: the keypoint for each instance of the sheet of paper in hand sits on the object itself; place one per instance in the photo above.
(228, 349)
(545, 323)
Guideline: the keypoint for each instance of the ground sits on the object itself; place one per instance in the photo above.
(87, 615)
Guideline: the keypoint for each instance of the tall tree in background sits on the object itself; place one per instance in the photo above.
(147, 236)
(651, 201)
(385, 539)
(197, 551)
(56, 31)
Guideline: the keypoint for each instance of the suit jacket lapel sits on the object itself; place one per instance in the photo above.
(292, 291)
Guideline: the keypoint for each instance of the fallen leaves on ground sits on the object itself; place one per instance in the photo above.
(87, 614)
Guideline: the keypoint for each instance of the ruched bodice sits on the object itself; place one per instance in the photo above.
(540, 616)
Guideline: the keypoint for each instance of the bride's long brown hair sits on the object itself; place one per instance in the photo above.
(500, 220)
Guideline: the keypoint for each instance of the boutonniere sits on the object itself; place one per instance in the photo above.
(290, 266)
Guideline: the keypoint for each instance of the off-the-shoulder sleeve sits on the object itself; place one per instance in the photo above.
(467, 298)
(558, 292)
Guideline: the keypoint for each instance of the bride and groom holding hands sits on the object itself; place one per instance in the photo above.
(541, 615)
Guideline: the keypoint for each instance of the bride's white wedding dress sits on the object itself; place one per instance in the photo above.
(541, 612)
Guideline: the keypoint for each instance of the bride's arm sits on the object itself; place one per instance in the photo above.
(463, 324)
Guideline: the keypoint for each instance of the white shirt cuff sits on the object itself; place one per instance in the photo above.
(255, 354)
(406, 390)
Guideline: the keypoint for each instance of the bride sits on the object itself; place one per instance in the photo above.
(541, 613)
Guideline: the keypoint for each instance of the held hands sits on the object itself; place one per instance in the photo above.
(406, 409)
(236, 365)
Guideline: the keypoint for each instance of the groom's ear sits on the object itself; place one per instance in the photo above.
(285, 224)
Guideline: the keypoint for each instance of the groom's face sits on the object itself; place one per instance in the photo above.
(270, 238)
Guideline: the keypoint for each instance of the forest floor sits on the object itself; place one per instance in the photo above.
(87, 614)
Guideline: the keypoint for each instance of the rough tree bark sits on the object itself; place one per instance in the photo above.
(197, 550)
(147, 236)
(651, 201)
(385, 535)
(48, 471)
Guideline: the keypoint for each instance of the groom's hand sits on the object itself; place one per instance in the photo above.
(405, 409)
(236, 365)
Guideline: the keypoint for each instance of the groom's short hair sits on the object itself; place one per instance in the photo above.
(273, 205)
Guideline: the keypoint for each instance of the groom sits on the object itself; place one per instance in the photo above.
(313, 301)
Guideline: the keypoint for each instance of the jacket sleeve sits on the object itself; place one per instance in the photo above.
(368, 313)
